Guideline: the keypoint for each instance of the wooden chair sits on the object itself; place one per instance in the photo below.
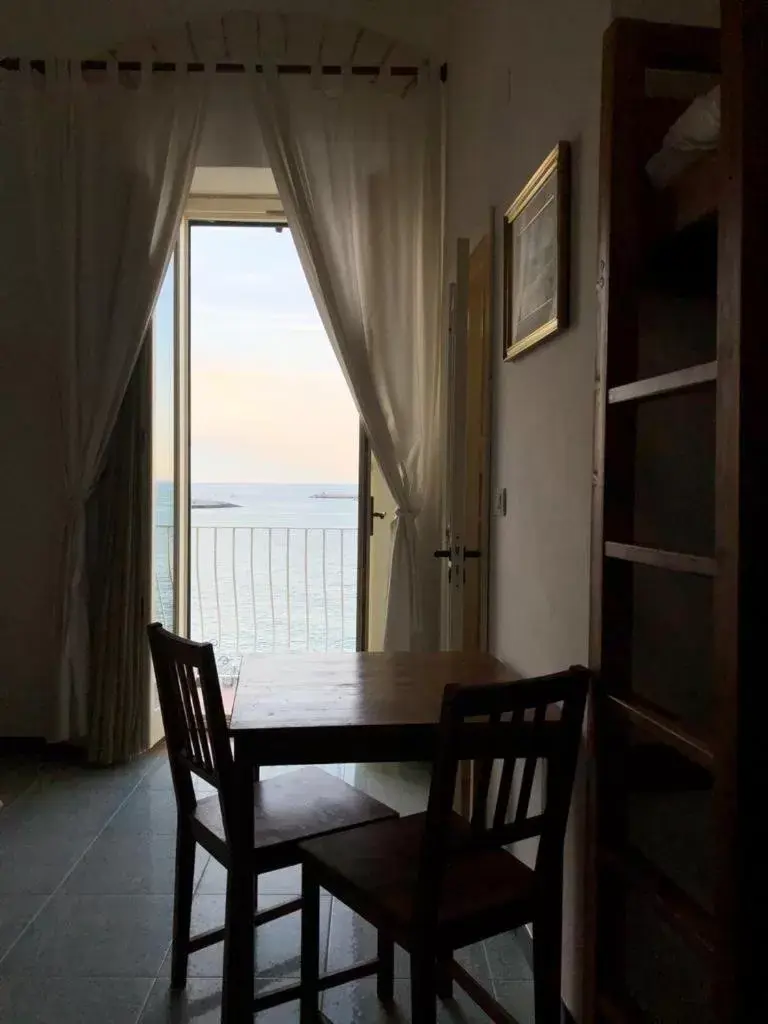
(435, 882)
(288, 808)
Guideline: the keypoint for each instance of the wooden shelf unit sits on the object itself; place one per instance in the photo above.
(665, 384)
(674, 905)
(694, 747)
(672, 561)
(723, 199)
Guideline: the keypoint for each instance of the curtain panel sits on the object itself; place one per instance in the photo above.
(119, 576)
(359, 170)
(107, 162)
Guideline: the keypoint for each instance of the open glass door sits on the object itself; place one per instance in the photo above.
(168, 463)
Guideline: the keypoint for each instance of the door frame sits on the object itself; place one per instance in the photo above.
(257, 211)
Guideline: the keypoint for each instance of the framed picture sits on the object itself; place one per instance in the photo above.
(536, 256)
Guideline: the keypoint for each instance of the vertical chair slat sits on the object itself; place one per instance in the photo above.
(529, 770)
(482, 787)
(508, 771)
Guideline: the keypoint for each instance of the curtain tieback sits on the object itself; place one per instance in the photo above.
(406, 513)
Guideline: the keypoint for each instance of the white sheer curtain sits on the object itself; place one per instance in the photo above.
(359, 169)
(107, 163)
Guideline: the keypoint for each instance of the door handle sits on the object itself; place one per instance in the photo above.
(443, 553)
(472, 554)
(375, 515)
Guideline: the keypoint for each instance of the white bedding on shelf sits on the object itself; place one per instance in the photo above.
(696, 131)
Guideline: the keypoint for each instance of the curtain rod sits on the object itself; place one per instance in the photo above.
(227, 68)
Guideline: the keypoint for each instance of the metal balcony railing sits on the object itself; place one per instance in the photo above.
(255, 588)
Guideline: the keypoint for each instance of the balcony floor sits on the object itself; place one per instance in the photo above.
(86, 877)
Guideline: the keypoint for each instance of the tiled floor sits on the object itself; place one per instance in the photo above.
(86, 883)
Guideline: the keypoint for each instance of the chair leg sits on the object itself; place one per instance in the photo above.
(310, 948)
(385, 975)
(444, 977)
(547, 970)
(182, 905)
(423, 988)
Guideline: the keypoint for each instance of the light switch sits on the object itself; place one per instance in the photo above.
(500, 501)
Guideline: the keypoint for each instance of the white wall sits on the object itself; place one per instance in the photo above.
(683, 12)
(65, 27)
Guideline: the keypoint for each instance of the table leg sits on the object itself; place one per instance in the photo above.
(237, 989)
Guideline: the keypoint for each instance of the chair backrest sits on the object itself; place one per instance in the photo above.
(195, 731)
(510, 729)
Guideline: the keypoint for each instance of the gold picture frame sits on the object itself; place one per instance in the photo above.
(537, 256)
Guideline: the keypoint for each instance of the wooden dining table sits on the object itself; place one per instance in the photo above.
(325, 709)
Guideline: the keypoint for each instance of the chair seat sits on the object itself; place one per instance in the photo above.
(297, 805)
(376, 867)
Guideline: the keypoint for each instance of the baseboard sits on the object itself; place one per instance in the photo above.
(525, 942)
(35, 747)
(22, 746)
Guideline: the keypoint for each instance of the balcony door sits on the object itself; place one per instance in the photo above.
(169, 467)
(256, 447)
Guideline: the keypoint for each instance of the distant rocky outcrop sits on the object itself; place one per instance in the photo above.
(205, 503)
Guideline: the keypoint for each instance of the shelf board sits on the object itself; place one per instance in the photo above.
(693, 747)
(671, 902)
(698, 565)
(665, 384)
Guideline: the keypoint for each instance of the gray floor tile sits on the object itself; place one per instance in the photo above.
(461, 1010)
(73, 1000)
(357, 1003)
(506, 960)
(15, 914)
(286, 882)
(200, 1003)
(125, 865)
(95, 936)
(159, 778)
(68, 810)
(16, 778)
(277, 943)
(269, 771)
(147, 811)
(113, 915)
(353, 940)
(39, 867)
(517, 998)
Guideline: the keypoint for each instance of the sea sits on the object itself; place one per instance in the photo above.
(273, 567)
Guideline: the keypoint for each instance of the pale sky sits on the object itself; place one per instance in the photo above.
(269, 401)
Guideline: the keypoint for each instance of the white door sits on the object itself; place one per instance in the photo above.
(465, 548)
